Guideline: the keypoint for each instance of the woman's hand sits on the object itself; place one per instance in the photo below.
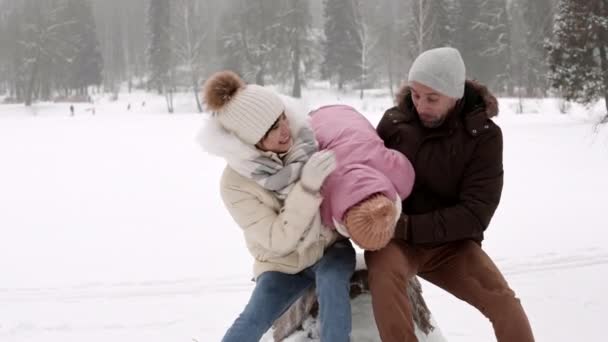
(320, 165)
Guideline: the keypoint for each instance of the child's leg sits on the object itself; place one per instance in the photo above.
(273, 294)
(333, 273)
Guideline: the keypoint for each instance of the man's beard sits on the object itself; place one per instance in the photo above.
(433, 124)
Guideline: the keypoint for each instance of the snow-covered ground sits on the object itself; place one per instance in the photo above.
(112, 229)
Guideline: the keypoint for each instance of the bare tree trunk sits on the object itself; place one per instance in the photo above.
(363, 75)
(364, 46)
(259, 76)
(367, 45)
(295, 67)
(604, 62)
(603, 34)
(421, 22)
(32, 81)
(520, 109)
(529, 87)
(196, 95)
(12, 90)
(169, 99)
(391, 82)
(424, 24)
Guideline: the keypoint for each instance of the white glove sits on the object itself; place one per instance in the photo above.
(317, 168)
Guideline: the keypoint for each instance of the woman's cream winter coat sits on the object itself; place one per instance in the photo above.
(285, 236)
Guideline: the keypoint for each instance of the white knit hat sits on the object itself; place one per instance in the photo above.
(245, 110)
(441, 69)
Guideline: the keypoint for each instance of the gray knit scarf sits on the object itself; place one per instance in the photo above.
(279, 173)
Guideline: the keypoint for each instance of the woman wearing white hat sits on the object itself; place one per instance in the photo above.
(271, 187)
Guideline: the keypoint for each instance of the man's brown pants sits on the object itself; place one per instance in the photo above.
(461, 268)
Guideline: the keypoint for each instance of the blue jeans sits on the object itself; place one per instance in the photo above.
(275, 292)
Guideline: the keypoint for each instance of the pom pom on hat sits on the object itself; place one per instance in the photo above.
(247, 110)
(221, 88)
(371, 223)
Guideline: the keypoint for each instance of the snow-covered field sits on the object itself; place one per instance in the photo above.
(112, 229)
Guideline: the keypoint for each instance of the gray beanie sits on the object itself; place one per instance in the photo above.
(441, 69)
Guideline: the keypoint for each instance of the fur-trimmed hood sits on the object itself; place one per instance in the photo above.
(474, 110)
(476, 97)
(218, 141)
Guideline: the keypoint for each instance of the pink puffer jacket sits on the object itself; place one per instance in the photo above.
(365, 166)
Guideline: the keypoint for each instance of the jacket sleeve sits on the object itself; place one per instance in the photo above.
(480, 193)
(277, 232)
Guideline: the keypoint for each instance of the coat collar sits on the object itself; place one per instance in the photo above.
(218, 141)
(475, 108)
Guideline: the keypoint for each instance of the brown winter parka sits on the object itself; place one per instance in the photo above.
(459, 168)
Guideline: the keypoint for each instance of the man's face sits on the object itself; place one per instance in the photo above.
(432, 106)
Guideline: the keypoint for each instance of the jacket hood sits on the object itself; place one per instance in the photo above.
(477, 97)
(216, 140)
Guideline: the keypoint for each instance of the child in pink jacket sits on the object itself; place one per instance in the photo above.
(362, 197)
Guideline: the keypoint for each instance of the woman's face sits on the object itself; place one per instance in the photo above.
(278, 138)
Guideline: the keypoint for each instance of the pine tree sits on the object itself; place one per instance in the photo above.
(392, 47)
(87, 62)
(12, 50)
(250, 37)
(366, 17)
(296, 21)
(113, 33)
(5, 42)
(482, 36)
(122, 32)
(159, 51)
(538, 23)
(429, 25)
(444, 27)
(44, 45)
(499, 54)
(343, 45)
(229, 45)
(519, 51)
(578, 53)
(189, 40)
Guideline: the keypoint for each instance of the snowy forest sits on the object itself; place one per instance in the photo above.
(113, 223)
(64, 50)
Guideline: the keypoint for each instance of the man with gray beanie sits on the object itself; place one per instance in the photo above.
(442, 123)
